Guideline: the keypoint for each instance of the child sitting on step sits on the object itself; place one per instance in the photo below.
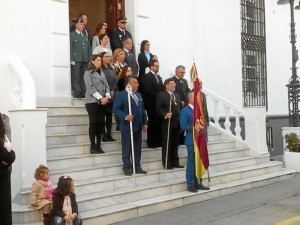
(41, 192)
(65, 209)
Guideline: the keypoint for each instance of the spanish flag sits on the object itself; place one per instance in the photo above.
(200, 144)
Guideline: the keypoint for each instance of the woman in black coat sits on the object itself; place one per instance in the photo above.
(7, 157)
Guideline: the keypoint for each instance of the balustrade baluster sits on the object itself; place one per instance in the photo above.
(237, 128)
(216, 111)
(227, 123)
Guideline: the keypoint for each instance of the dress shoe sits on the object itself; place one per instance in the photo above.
(127, 172)
(201, 187)
(105, 139)
(140, 171)
(77, 96)
(178, 166)
(170, 167)
(100, 150)
(93, 150)
(192, 189)
(151, 146)
(110, 138)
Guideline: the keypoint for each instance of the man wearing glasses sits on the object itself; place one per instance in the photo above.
(119, 34)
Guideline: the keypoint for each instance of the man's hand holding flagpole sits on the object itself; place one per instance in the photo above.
(130, 118)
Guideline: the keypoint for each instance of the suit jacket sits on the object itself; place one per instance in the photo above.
(186, 124)
(182, 88)
(150, 89)
(121, 110)
(79, 47)
(131, 61)
(95, 82)
(143, 62)
(163, 107)
(117, 37)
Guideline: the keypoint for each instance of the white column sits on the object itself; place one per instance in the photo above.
(28, 135)
(255, 128)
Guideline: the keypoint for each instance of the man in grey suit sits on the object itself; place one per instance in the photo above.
(182, 87)
(80, 54)
(130, 55)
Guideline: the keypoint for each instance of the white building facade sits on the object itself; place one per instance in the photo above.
(35, 61)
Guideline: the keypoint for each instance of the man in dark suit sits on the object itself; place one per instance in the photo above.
(182, 88)
(186, 124)
(80, 56)
(119, 34)
(130, 55)
(139, 122)
(152, 85)
(168, 108)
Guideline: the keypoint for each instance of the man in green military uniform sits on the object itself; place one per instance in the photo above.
(80, 54)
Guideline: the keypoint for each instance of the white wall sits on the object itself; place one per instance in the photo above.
(37, 31)
(179, 31)
(279, 54)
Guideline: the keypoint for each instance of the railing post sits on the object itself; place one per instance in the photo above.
(237, 128)
(216, 111)
(227, 123)
(255, 128)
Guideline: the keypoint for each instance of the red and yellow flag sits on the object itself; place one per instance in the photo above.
(200, 144)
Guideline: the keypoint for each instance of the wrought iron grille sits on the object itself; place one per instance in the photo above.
(253, 39)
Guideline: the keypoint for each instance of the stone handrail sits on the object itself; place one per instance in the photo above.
(27, 86)
(230, 109)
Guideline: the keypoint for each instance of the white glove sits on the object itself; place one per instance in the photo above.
(7, 144)
(108, 95)
(73, 63)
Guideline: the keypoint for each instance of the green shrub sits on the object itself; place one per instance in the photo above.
(293, 142)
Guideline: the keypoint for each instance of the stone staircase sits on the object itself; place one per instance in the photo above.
(106, 196)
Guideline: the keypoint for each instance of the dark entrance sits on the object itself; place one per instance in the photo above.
(97, 11)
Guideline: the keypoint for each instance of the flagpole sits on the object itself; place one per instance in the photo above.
(129, 91)
(168, 138)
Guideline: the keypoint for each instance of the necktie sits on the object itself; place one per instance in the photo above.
(173, 98)
(81, 34)
(135, 98)
(156, 77)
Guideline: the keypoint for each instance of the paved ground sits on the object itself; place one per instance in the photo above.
(275, 204)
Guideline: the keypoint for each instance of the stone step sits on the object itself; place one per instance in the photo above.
(90, 179)
(121, 212)
(55, 151)
(67, 128)
(90, 159)
(67, 110)
(77, 138)
(63, 140)
(67, 119)
(129, 196)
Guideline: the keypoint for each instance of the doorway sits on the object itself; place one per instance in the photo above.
(97, 11)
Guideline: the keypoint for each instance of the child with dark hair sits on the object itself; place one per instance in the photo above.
(65, 209)
(41, 192)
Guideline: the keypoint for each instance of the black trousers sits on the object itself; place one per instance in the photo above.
(77, 82)
(154, 129)
(174, 133)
